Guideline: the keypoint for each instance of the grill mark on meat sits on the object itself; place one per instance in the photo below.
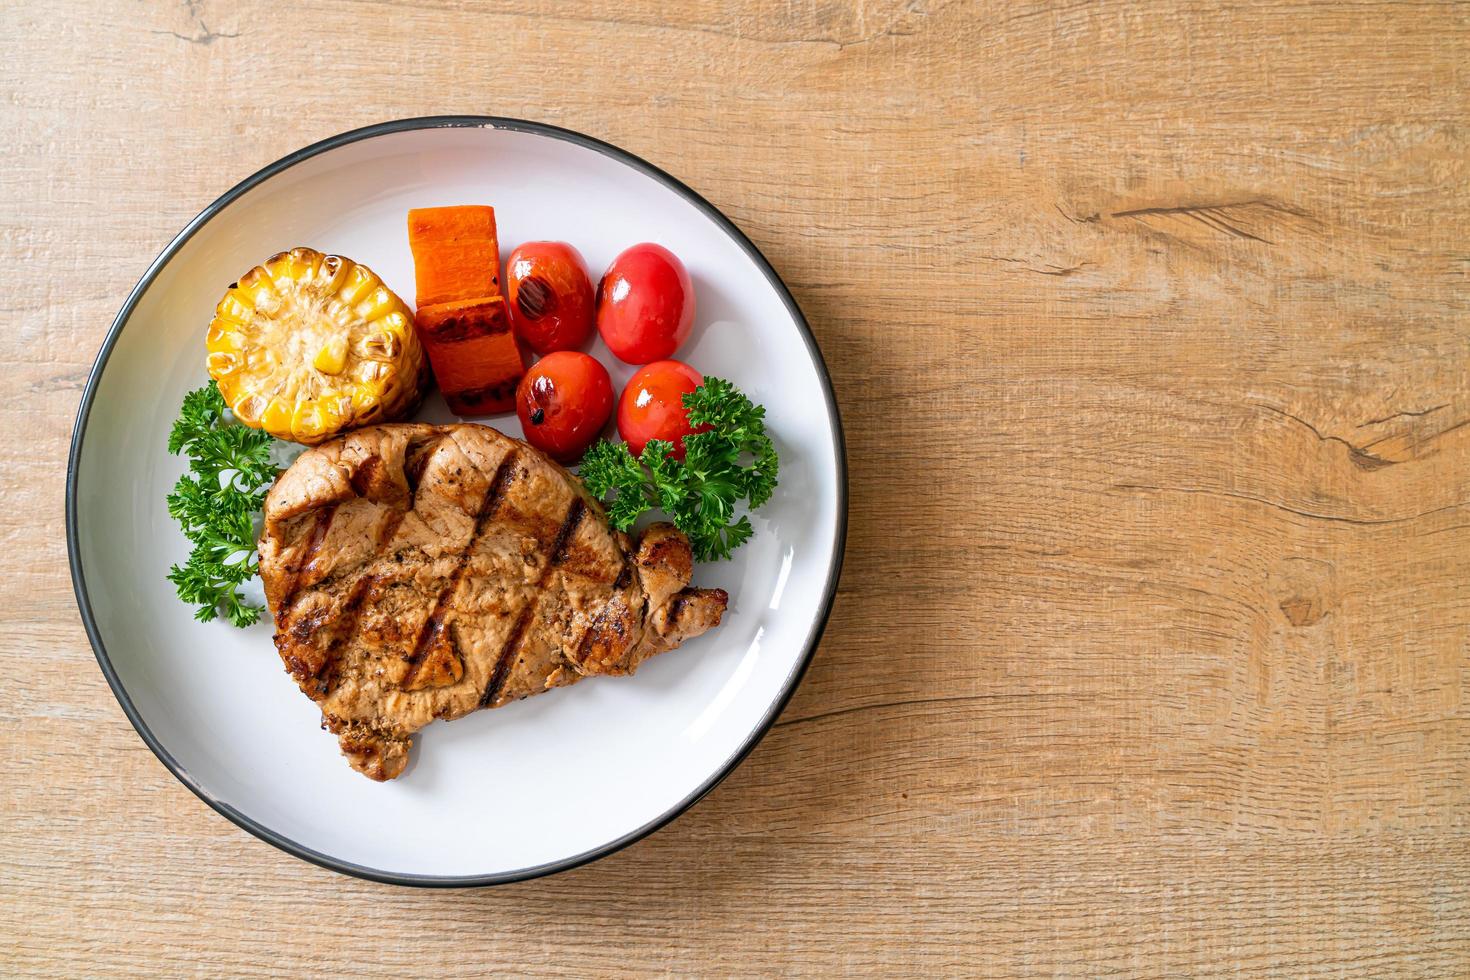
(676, 606)
(362, 478)
(413, 466)
(504, 473)
(559, 550)
(390, 528)
(432, 627)
(512, 643)
(608, 626)
(295, 642)
(564, 537)
(318, 537)
(386, 532)
(434, 624)
(351, 620)
(606, 629)
(308, 556)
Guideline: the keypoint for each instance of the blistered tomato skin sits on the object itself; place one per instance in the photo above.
(564, 402)
(652, 406)
(645, 304)
(549, 295)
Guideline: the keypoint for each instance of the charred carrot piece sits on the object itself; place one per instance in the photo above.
(456, 253)
(473, 353)
(461, 315)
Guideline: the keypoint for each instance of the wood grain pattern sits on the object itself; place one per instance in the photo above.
(1151, 330)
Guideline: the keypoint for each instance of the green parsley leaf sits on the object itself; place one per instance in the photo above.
(215, 504)
(735, 460)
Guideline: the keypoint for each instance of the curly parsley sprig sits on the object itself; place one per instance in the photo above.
(215, 503)
(735, 460)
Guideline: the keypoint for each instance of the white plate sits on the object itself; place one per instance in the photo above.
(541, 785)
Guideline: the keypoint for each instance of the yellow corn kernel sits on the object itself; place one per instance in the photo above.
(382, 345)
(330, 274)
(248, 409)
(222, 362)
(277, 416)
(332, 358)
(362, 399)
(307, 422)
(222, 336)
(359, 282)
(334, 409)
(261, 360)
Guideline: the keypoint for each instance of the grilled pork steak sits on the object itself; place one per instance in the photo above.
(419, 572)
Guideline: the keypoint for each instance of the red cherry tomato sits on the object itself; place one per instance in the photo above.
(645, 304)
(564, 401)
(549, 296)
(652, 406)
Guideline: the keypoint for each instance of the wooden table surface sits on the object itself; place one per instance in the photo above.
(1150, 327)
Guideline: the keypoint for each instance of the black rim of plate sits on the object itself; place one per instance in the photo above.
(79, 584)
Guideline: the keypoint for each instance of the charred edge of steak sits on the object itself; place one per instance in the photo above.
(294, 643)
(667, 552)
(559, 550)
(378, 754)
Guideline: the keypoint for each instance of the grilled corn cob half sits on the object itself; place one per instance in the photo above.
(307, 345)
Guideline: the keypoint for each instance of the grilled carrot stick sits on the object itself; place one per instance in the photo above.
(461, 315)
